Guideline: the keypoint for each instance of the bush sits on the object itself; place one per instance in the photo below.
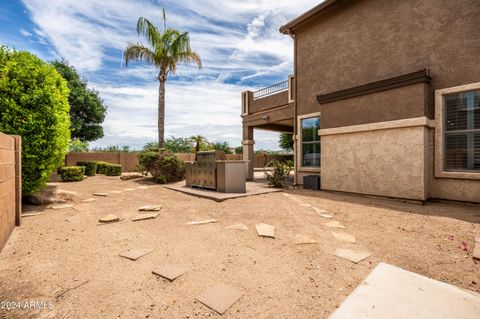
(34, 105)
(277, 177)
(102, 167)
(73, 173)
(164, 166)
(113, 170)
(90, 167)
(77, 146)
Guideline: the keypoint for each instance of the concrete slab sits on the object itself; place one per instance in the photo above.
(237, 227)
(201, 222)
(80, 207)
(110, 218)
(61, 206)
(128, 189)
(305, 205)
(88, 200)
(476, 251)
(170, 271)
(252, 189)
(392, 292)
(265, 230)
(319, 210)
(142, 187)
(220, 297)
(116, 192)
(135, 254)
(355, 256)
(328, 216)
(100, 194)
(304, 240)
(145, 216)
(334, 224)
(344, 237)
(150, 208)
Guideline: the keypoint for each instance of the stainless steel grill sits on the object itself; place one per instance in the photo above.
(203, 172)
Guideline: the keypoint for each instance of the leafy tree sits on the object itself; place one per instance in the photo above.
(200, 142)
(34, 105)
(286, 141)
(77, 146)
(165, 50)
(222, 146)
(178, 144)
(87, 111)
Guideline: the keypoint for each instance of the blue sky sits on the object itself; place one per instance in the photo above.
(238, 41)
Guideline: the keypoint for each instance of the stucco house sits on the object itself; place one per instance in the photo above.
(384, 99)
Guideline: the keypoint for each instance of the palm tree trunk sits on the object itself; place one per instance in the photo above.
(161, 111)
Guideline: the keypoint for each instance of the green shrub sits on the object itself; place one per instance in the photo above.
(102, 167)
(73, 173)
(113, 170)
(278, 176)
(34, 105)
(77, 146)
(90, 167)
(164, 166)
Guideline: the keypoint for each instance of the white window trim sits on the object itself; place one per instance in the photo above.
(439, 136)
(300, 141)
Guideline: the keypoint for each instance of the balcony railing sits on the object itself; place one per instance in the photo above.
(282, 86)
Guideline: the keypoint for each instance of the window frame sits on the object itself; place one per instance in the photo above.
(440, 134)
(300, 118)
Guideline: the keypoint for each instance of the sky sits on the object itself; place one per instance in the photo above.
(238, 41)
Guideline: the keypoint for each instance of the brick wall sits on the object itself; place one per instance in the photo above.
(129, 161)
(10, 185)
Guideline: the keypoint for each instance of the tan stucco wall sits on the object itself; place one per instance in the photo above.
(386, 162)
(467, 190)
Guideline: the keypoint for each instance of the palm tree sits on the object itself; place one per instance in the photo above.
(199, 140)
(165, 50)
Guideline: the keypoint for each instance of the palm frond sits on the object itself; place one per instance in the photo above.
(149, 30)
(138, 52)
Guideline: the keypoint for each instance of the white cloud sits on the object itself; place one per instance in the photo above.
(238, 41)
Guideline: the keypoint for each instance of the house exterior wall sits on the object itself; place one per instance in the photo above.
(353, 43)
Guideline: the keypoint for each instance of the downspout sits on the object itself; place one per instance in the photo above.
(295, 144)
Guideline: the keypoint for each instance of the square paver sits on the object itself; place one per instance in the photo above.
(304, 240)
(110, 218)
(319, 210)
(145, 216)
(135, 254)
(344, 237)
(88, 200)
(220, 297)
(334, 224)
(355, 256)
(201, 222)
(392, 292)
(100, 194)
(265, 230)
(150, 208)
(170, 271)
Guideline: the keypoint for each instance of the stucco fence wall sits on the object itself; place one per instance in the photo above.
(10, 185)
(129, 161)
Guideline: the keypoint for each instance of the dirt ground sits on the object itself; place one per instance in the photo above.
(62, 249)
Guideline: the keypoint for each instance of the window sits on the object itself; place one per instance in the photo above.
(310, 142)
(462, 131)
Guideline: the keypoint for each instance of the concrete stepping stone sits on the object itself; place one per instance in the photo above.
(150, 208)
(61, 206)
(392, 292)
(304, 240)
(344, 237)
(80, 207)
(135, 254)
(265, 230)
(110, 218)
(237, 226)
(201, 222)
(220, 297)
(128, 189)
(355, 256)
(170, 271)
(142, 187)
(305, 205)
(328, 216)
(116, 192)
(145, 216)
(100, 194)
(334, 224)
(319, 210)
(89, 200)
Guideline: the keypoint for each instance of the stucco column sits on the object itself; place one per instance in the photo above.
(248, 150)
